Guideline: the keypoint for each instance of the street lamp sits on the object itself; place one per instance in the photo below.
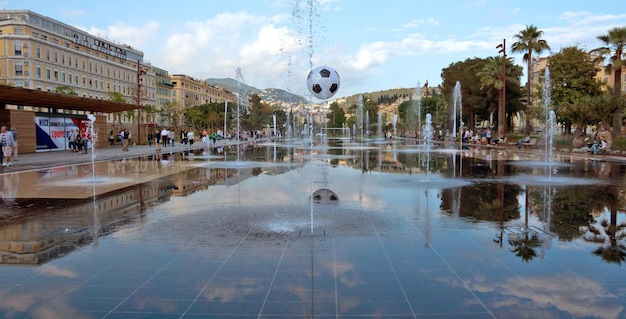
(501, 109)
(140, 72)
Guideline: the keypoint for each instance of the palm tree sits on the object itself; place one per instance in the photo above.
(614, 42)
(529, 41)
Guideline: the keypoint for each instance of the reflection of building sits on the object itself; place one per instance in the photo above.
(196, 179)
(37, 238)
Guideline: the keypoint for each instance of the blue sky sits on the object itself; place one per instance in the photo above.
(373, 45)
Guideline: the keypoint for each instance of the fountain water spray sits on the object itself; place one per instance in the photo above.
(380, 125)
(416, 114)
(457, 107)
(240, 79)
(427, 139)
(395, 123)
(359, 115)
(93, 138)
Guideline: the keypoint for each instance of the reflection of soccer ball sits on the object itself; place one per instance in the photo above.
(323, 82)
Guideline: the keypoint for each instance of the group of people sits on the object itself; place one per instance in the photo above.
(598, 145)
(8, 143)
(78, 141)
(484, 137)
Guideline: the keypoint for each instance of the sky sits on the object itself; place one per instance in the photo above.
(373, 45)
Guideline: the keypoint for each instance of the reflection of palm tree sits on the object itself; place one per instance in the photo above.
(614, 251)
(524, 245)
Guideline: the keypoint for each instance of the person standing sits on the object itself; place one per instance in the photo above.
(71, 139)
(7, 142)
(111, 138)
(164, 137)
(171, 134)
(191, 136)
(150, 138)
(85, 141)
(14, 132)
(126, 137)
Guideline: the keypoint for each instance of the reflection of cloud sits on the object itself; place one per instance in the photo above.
(346, 272)
(562, 291)
(51, 270)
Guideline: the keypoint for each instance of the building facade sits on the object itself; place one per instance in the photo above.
(189, 92)
(40, 53)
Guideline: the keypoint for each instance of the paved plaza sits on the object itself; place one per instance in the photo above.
(324, 230)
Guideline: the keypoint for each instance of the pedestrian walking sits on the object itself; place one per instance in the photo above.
(7, 143)
(14, 132)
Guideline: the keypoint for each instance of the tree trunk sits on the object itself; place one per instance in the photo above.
(529, 101)
(617, 116)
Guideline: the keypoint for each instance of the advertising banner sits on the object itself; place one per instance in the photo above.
(52, 132)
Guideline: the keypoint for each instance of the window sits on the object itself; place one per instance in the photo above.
(69, 60)
(84, 81)
(56, 74)
(17, 49)
(19, 69)
(48, 54)
(69, 78)
(56, 57)
(38, 70)
(63, 58)
(48, 73)
(84, 64)
(63, 76)
(38, 52)
(19, 31)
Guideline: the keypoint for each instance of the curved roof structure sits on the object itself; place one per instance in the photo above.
(35, 98)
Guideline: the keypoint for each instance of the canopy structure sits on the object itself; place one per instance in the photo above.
(35, 98)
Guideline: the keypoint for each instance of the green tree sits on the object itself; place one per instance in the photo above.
(528, 42)
(150, 113)
(572, 75)
(336, 116)
(116, 97)
(614, 42)
(480, 97)
(260, 112)
(64, 89)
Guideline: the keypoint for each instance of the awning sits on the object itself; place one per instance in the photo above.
(35, 98)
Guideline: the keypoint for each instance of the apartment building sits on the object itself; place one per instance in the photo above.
(43, 54)
(189, 92)
(164, 99)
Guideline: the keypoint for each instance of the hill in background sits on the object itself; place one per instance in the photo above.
(270, 95)
(388, 99)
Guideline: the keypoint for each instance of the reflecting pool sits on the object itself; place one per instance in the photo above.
(335, 230)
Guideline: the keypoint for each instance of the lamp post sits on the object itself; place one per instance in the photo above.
(140, 72)
(501, 109)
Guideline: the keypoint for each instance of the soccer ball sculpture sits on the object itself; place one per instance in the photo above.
(323, 82)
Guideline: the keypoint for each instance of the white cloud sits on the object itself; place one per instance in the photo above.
(136, 36)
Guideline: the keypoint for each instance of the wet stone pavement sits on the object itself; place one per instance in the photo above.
(299, 230)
